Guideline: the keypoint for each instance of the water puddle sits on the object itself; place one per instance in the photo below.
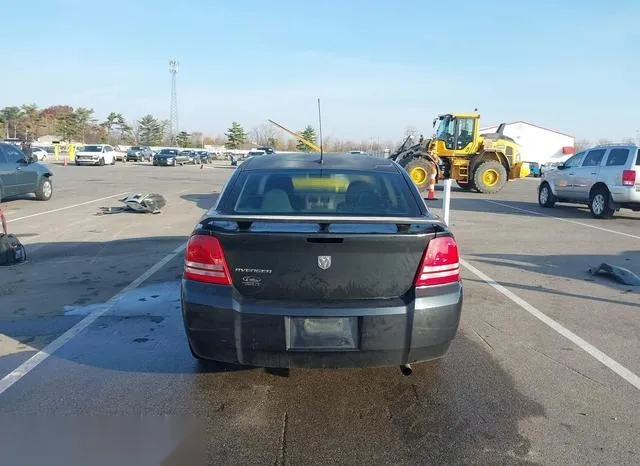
(154, 299)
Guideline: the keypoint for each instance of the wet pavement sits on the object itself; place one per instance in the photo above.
(510, 391)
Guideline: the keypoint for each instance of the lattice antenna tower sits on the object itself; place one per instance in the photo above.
(173, 118)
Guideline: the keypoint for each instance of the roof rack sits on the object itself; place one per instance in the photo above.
(614, 144)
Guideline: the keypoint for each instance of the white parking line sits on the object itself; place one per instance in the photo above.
(31, 363)
(563, 219)
(65, 208)
(615, 366)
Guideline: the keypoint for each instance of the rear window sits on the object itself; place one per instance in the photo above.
(638, 158)
(90, 149)
(322, 192)
(617, 157)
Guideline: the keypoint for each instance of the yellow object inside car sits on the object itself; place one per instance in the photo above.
(325, 183)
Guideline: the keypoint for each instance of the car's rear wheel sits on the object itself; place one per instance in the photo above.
(545, 196)
(113, 161)
(600, 203)
(45, 190)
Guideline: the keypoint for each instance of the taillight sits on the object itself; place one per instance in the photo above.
(204, 261)
(628, 178)
(440, 263)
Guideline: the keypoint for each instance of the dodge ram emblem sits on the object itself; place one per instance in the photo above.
(324, 262)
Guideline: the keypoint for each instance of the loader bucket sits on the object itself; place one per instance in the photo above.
(519, 170)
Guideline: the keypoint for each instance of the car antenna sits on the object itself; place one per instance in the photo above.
(320, 128)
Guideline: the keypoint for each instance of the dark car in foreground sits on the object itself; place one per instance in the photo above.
(321, 265)
(22, 175)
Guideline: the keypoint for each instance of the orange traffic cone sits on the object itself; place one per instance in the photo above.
(65, 160)
(431, 193)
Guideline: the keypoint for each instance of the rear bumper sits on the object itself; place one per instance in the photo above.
(223, 326)
(625, 194)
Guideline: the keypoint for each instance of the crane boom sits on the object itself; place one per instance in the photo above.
(297, 136)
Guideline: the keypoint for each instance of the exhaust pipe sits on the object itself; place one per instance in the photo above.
(406, 369)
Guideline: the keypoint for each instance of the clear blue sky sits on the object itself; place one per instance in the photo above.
(378, 66)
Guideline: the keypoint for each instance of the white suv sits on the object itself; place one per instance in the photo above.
(606, 177)
(96, 154)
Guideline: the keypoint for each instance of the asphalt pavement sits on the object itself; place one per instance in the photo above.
(543, 370)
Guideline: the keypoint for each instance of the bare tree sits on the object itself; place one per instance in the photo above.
(581, 144)
(219, 140)
(410, 131)
(197, 139)
(291, 145)
(266, 135)
(135, 131)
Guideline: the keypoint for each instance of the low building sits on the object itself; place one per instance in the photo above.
(537, 144)
(48, 139)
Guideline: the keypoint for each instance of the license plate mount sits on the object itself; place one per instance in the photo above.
(322, 333)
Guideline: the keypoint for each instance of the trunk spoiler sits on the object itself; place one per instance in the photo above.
(245, 221)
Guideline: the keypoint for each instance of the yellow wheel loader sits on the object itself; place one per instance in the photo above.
(484, 162)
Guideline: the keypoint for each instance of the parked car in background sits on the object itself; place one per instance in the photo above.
(203, 156)
(267, 149)
(20, 175)
(139, 154)
(187, 156)
(166, 157)
(260, 293)
(606, 177)
(534, 168)
(121, 154)
(39, 153)
(96, 154)
(547, 167)
(255, 152)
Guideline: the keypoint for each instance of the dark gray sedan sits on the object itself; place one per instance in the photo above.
(20, 174)
(321, 265)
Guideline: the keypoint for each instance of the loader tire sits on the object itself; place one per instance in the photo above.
(489, 177)
(419, 171)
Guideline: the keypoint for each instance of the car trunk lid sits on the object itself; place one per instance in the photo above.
(352, 262)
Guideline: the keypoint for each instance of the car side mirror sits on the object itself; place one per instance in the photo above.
(561, 166)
